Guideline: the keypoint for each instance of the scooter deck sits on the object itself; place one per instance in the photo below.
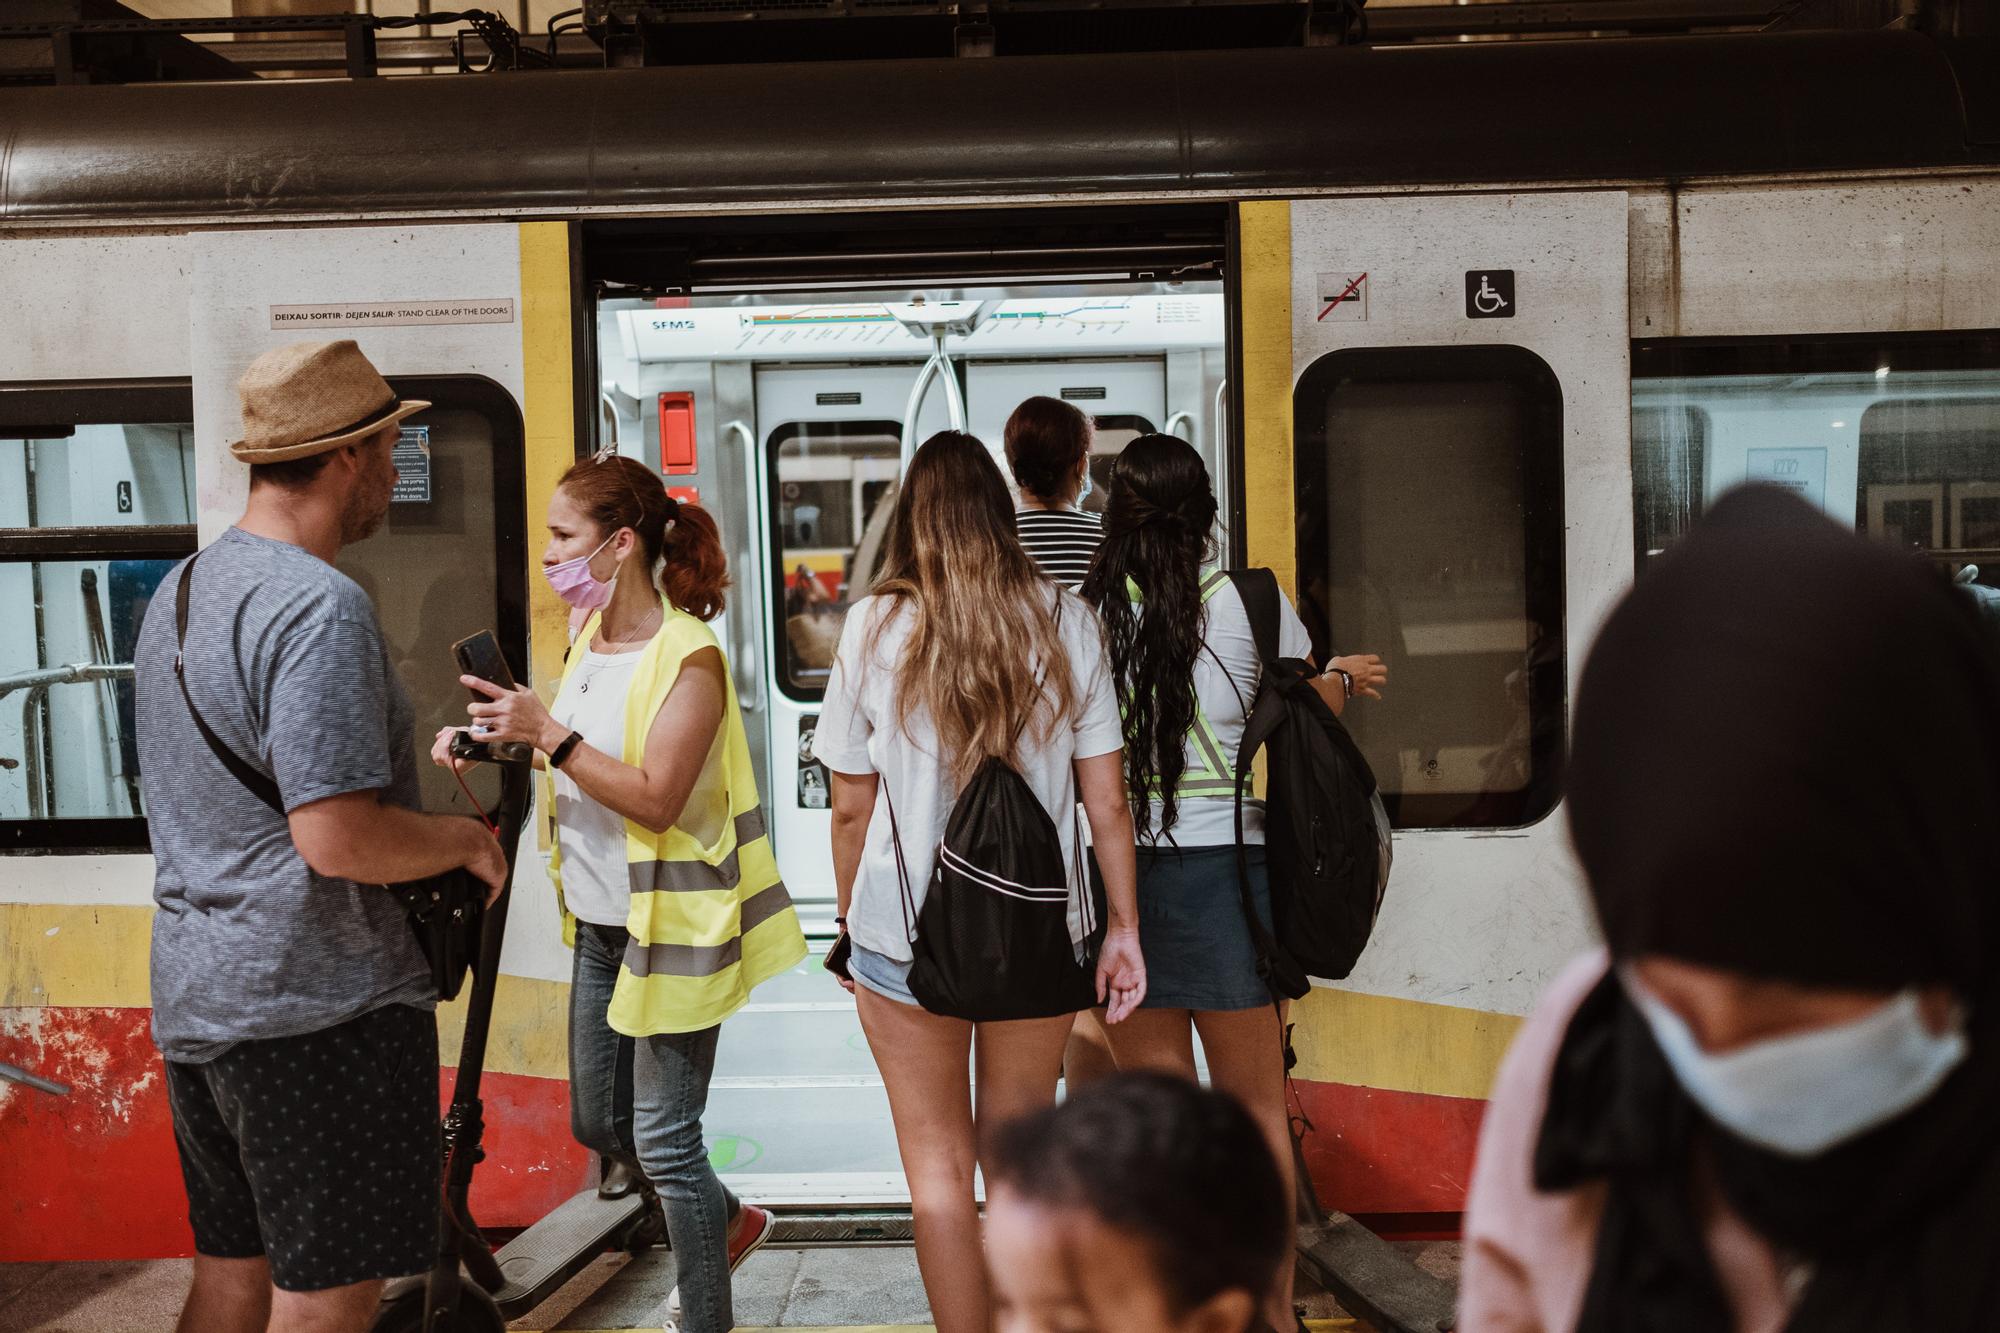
(560, 1246)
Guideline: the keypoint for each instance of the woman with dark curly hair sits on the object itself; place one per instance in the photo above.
(1185, 665)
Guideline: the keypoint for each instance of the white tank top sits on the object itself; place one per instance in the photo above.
(596, 884)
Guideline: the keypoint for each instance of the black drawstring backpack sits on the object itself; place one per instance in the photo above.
(992, 942)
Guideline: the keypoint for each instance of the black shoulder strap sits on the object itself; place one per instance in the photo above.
(256, 783)
(1259, 590)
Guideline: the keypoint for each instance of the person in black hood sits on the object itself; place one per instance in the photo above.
(1773, 1103)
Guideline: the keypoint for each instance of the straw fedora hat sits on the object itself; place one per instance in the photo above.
(306, 398)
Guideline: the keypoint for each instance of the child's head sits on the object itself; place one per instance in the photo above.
(1141, 1202)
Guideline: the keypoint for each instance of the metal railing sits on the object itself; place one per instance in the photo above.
(37, 684)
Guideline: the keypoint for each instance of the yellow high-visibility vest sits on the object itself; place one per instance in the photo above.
(710, 918)
(1208, 771)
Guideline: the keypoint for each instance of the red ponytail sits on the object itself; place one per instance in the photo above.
(695, 570)
(619, 492)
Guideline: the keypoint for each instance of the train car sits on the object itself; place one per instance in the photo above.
(1459, 379)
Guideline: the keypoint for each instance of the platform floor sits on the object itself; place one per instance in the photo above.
(846, 1288)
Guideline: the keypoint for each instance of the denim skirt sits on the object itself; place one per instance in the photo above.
(1191, 929)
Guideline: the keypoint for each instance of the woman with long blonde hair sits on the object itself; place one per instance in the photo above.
(964, 653)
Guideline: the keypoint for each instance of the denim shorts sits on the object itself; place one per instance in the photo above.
(1197, 945)
(883, 975)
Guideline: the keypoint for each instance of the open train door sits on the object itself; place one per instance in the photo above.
(1437, 416)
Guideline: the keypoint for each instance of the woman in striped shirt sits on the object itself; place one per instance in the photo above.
(1048, 451)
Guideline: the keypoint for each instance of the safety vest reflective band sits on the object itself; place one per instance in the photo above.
(708, 922)
(1208, 771)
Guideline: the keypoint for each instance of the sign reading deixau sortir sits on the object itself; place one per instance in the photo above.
(389, 314)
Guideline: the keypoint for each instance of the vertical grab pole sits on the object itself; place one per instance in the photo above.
(912, 410)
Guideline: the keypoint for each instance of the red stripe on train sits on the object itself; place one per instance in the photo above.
(94, 1175)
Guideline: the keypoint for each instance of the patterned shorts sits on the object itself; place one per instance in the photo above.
(318, 1151)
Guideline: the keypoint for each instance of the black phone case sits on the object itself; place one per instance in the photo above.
(836, 957)
(472, 661)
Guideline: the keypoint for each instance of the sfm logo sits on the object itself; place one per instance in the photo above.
(673, 325)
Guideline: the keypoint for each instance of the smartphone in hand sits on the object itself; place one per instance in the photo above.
(837, 956)
(479, 655)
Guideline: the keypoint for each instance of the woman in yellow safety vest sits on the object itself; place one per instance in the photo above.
(1185, 664)
(669, 889)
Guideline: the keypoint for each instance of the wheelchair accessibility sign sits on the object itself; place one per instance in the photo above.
(1489, 293)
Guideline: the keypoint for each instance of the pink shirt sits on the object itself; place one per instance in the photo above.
(1528, 1255)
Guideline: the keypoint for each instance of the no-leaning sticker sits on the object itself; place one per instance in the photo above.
(1342, 296)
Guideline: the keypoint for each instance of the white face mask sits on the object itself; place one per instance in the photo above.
(1806, 1092)
(1089, 485)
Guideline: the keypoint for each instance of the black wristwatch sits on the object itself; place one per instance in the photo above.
(562, 751)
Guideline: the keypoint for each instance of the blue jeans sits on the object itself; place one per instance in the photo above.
(640, 1100)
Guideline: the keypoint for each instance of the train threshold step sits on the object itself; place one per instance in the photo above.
(846, 1288)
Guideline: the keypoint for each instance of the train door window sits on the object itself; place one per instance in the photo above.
(96, 505)
(1109, 436)
(1898, 436)
(449, 560)
(833, 487)
(1669, 464)
(1431, 531)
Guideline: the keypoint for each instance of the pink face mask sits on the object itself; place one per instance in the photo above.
(575, 584)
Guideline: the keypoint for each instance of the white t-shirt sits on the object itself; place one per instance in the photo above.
(1210, 821)
(861, 731)
(596, 883)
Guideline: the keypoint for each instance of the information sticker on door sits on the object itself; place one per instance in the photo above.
(412, 456)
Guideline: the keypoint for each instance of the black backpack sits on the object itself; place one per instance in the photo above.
(992, 939)
(1325, 830)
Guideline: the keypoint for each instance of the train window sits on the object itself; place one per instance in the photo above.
(1431, 531)
(1898, 436)
(1669, 459)
(1108, 438)
(96, 504)
(833, 487)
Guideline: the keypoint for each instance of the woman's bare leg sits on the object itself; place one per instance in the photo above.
(1088, 1056)
(1159, 1040)
(1018, 1064)
(1246, 1059)
(924, 1064)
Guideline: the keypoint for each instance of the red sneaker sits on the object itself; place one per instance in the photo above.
(754, 1226)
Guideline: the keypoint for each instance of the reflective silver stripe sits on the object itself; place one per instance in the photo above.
(703, 960)
(684, 876)
(681, 960)
(765, 904)
(1215, 777)
(697, 876)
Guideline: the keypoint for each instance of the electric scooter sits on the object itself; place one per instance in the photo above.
(470, 1288)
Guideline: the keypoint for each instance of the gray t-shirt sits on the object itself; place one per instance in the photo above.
(288, 667)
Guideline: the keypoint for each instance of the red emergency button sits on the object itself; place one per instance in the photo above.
(678, 454)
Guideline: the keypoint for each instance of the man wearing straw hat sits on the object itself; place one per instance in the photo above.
(289, 997)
